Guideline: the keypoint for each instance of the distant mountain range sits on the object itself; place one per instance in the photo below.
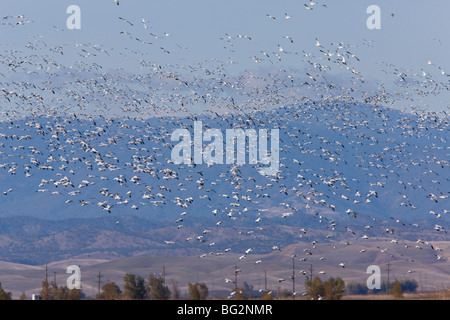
(34, 241)
(73, 186)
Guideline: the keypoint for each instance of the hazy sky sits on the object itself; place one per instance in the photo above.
(412, 31)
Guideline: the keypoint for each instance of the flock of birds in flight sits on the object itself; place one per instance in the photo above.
(350, 167)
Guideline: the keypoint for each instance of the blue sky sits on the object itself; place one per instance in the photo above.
(198, 30)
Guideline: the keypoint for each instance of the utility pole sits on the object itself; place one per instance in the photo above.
(387, 286)
(311, 272)
(265, 280)
(164, 275)
(293, 278)
(99, 277)
(235, 278)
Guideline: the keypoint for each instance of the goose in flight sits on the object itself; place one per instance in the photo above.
(143, 22)
(318, 43)
(289, 38)
(127, 21)
(280, 49)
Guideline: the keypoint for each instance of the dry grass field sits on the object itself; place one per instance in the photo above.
(275, 269)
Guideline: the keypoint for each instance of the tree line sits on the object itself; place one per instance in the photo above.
(134, 288)
(397, 288)
(137, 288)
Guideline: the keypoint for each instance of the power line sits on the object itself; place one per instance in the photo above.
(236, 271)
(265, 280)
(164, 275)
(293, 278)
(99, 277)
(388, 271)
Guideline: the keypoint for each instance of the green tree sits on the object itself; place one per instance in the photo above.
(397, 291)
(175, 290)
(239, 294)
(331, 289)
(284, 293)
(23, 296)
(134, 287)
(157, 288)
(74, 294)
(409, 285)
(356, 288)
(5, 295)
(53, 289)
(314, 288)
(267, 296)
(248, 290)
(198, 291)
(45, 291)
(61, 293)
(110, 291)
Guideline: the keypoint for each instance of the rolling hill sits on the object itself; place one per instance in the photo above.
(347, 171)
